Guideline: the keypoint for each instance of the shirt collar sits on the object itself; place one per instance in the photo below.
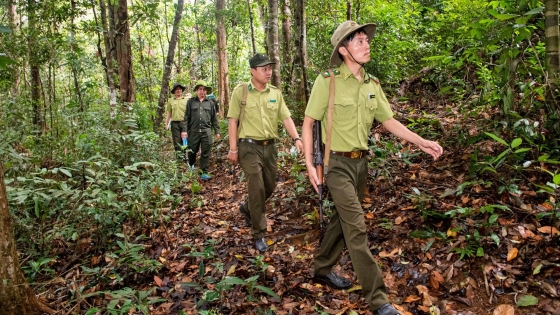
(250, 86)
(346, 73)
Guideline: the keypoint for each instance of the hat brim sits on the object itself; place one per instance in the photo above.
(368, 28)
(177, 86)
(264, 63)
(208, 89)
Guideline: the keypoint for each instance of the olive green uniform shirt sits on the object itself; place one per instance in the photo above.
(263, 111)
(176, 106)
(200, 115)
(356, 105)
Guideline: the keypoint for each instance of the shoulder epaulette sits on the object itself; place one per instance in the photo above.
(326, 74)
(376, 80)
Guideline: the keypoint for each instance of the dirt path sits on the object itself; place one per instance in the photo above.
(436, 272)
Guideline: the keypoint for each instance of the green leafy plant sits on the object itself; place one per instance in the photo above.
(39, 267)
(125, 301)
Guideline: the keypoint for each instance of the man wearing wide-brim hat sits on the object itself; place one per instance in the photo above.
(200, 118)
(176, 105)
(358, 100)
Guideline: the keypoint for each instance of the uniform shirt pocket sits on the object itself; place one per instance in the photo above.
(251, 109)
(371, 106)
(272, 104)
(344, 109)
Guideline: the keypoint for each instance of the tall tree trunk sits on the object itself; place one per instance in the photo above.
(223, 80)
(34, 68)
(127, 86)
(12, 13)
(168, 64)
(300, 60)
(358, 6)
(348, 10)
(109, 66)
(273, 49)
(263, 16)
(252, 26)
(75, 55)
(16, 298)
(552, 53)
(286, 42)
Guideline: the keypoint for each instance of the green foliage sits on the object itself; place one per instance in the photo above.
(126, 300)
(214, 293)
(527, 300)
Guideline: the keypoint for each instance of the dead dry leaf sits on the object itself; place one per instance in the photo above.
(400, 220)
(384, 254)
(548, 230)
(512, 253)
(504, 309)
(158, 281)
(411, 298)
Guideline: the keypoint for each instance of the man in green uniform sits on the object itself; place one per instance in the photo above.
(175, 108)
(261, 110)
(199, 120)
(358, 100)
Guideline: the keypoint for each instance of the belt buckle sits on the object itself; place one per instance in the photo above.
(265, 142)
(355, 154)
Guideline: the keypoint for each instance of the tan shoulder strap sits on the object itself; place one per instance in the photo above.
(245, 88)
(330, 112)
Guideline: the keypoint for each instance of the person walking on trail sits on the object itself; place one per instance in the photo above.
(175, 108)
(258, 107)
(358, 100)
(199, 120)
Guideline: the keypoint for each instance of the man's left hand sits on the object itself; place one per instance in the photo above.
(217, 136)
(299, 146)
(432, 148)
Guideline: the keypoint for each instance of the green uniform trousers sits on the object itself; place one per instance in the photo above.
(176, 129)
(259, 164)
(346, 179)
(200, 140)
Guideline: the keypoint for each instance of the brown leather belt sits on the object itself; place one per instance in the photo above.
(259, 142)
(352, 155)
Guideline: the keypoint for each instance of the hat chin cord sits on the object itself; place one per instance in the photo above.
(356, 61)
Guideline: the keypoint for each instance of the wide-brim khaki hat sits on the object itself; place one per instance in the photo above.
(203, 83)
(176, 85)
(342, 31)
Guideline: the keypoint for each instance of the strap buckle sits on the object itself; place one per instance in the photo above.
(355, 154)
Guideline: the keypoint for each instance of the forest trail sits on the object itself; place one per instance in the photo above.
(436, 269)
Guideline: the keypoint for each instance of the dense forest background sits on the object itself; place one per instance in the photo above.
(91, 181)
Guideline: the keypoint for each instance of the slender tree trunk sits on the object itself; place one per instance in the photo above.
(223, 81)
(286, 42)
(108, 34)
(263, 16)
(75, 56)
(168, 64)
(273, 45)
(178, 65)
(12, 13)
(552, 53)
(358, 6)
(16, 298)
(127, 86)
(300, 62)
(34, 68)
(348, 10)
(252, 26)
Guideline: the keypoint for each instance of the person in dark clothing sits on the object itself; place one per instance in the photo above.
(200, 119)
